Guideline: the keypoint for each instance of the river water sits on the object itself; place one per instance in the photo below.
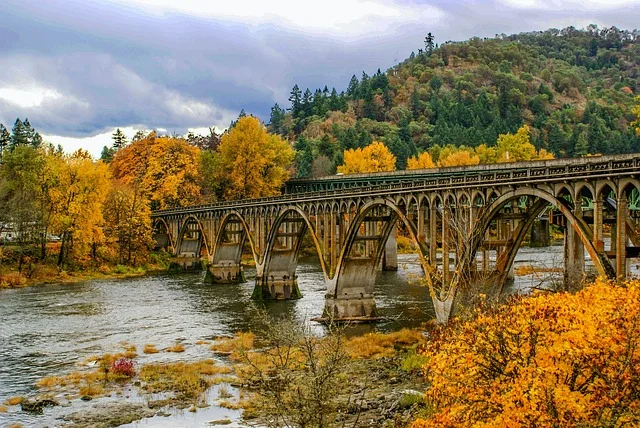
(47, 330)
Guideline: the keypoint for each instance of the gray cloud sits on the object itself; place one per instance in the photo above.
(118, 66)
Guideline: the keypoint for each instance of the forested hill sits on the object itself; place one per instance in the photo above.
(574, 88)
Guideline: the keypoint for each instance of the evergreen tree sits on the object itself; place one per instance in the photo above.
(18, 134)
(5, 140)
(36, 141)
(353, 88)
(307, 103)
(29, 132)
(304, 157)
(429, 43)
(296, 101)
(139, 135)
(334, 100)
(107, 154)
(119, 140)
(276, 119)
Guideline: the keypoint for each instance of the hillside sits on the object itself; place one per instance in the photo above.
(574, 88)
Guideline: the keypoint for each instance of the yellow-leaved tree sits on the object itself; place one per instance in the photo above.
(164, 169)
(636, 111)
(127, 223)
(376, 157)
(78, 200)
(423, 161)
(551, 360)
(253, 162)
(517, 147)
(462, 156)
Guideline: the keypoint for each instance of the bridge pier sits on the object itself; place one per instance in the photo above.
(279, 281)
(354, 302)
(226, 272)
(390, 256)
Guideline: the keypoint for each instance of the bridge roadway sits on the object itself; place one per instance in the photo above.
(466, 222)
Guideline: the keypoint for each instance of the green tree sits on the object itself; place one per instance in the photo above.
(5, 140)
(18, 134)
(429, 43)
(295, 98)
(354, 87)
(119, 140)
(276, 119)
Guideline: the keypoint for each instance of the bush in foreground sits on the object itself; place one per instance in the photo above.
(548, 360)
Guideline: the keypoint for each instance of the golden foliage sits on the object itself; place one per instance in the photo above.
(517, 147)
(376, 157)
(253, 162)
(423, 161)
(13, 401)
(550, 360)
(458, 157)
(164, 169)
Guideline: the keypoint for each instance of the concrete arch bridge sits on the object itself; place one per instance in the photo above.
(467, 223)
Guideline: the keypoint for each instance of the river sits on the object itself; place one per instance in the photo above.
(47, 330)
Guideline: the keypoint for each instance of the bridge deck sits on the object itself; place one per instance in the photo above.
(376, 184)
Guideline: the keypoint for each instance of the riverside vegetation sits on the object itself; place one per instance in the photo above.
(549, 359)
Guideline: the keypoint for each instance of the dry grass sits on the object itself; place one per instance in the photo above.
(532, 270)
(14, 401)
(130, 351)
(187, 380)
(13, 280)
(176, 347)
(234, 346)
(3, 409)
(15, 425)
(202, 342)
(227, 404)
(50, 382)
(150, 349)
(91, 390)
(378, 345)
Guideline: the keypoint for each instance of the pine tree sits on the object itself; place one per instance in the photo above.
(107, 154)
(276, 119)
(18, 135)
(353, 88)
(334, 101)
(307, 103)
(429, 43)
(5, 139)
(296, 101)
(119, 140)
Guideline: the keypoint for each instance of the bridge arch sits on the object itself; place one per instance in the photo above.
(350, 290)
(161, 226)
(184, 228)
(577, 224)
(276, 277)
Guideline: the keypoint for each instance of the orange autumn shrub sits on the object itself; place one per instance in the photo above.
(568, 360)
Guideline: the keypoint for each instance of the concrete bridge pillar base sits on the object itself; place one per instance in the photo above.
(225, 273)
(350, 309)
(186, 264)
(272, 288)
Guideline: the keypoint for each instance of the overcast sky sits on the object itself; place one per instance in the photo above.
(79, 68)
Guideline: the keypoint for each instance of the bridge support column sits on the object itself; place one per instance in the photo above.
(352, 300)
(540, 233)
(226, 272)
(598, 243)
(573, 253)
(390, 257)
(621, 238)
(280, 282)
